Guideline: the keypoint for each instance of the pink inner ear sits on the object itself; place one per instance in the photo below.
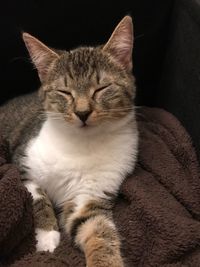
(42, 61)
(41, 55)
(123, 49)
(120, 44)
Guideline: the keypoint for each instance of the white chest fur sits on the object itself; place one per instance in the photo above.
(81, 164)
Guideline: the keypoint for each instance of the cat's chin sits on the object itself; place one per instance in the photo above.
(86, 125)
(84, 128)
(88, 128)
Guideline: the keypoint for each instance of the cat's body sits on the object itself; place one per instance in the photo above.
(76, 147)
(86, 164)
(21, 119)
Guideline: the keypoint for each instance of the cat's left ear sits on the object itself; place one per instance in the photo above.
(41, 55)
(120, 44)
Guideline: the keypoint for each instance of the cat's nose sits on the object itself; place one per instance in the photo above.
(83, 115)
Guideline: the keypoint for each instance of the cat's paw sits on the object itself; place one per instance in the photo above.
(47, 240)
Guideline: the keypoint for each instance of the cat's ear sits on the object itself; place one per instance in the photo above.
(41, 55)
(120, 44)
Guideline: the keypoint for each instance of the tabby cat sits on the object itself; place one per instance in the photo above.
(76, 140)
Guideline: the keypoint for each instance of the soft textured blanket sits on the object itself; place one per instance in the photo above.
(157, 211)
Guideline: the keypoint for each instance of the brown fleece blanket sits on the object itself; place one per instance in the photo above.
(157, 211)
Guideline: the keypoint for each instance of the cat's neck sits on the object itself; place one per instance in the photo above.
(64, 130)
(62, 136)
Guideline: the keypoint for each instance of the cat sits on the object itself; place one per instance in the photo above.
(76, 140)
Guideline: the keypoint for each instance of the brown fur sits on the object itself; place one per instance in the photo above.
(93, 230)
(73, 219)
(100, 242)
(83, 84)
(44, 213)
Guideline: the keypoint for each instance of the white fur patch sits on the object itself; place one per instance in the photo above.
(81, 164)
(47, 240)
(32, 188)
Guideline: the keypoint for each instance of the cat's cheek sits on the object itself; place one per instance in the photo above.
(74, 120)
(93, 118)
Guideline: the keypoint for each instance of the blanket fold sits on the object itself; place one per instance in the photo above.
(157, 211)
(16, 219)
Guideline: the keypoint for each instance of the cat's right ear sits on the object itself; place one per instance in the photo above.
(41, 55)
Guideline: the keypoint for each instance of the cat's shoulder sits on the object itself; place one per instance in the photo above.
(20, 101)
(20, 118)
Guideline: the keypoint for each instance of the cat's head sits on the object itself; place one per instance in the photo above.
(88, 85)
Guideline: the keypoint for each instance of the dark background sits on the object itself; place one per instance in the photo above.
(67, 24)
(166, 52)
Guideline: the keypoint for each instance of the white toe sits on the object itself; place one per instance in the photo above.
(47, 240)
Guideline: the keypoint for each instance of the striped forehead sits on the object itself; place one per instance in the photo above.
(82, 63)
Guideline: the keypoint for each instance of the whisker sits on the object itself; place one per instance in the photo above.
(102, 113)
(123, 108)
(116, 109)
(53, 113)
(139, 36)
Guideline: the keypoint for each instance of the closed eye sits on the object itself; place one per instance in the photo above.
(64, 92)
(101, 89)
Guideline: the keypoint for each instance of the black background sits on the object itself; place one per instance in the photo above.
(67, 24)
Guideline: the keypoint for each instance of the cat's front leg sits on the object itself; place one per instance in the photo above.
(100, 242)
(92, 228)
(47, 234)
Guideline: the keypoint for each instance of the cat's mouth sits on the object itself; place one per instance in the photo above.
(84, 125)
